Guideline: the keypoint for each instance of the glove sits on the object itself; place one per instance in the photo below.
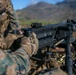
(30, 44)
(34, 40)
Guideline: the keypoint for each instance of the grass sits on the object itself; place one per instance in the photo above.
(27, 23)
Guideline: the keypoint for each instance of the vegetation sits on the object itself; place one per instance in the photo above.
(27, 23)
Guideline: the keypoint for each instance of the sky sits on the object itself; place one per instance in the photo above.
(19, 4)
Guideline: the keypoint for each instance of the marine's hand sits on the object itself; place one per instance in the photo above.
(10, 39)
(30, 44)
(34, 40)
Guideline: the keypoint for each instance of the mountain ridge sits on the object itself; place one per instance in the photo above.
(49, 12)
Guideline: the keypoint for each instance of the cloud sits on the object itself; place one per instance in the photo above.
(35, 1)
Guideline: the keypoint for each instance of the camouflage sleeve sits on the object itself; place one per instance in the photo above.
(16, 63)
(12, 16)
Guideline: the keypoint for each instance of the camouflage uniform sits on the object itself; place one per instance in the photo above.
(8, 22)
(8, 19)
(12, 16)
(14, 64)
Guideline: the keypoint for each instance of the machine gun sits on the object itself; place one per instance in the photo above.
(52, 35)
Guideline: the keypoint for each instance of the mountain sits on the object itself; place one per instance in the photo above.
(49, 12)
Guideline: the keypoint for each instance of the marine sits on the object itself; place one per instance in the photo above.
(13, 63)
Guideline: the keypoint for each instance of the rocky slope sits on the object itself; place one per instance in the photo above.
(49, 12)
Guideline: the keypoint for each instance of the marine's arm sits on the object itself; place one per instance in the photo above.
(14, 64)
(18, 62)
